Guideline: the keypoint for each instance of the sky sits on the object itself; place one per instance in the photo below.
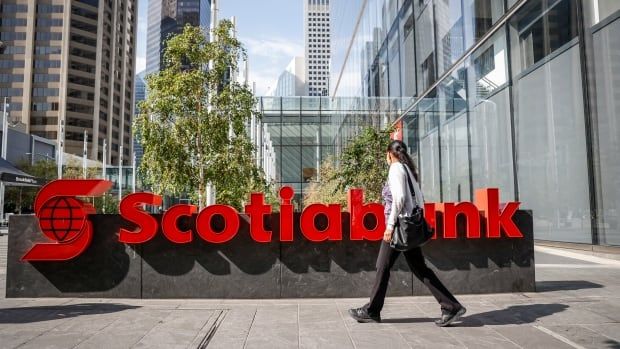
(270, 30)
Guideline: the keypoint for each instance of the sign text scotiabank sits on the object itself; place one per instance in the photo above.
(64, 219)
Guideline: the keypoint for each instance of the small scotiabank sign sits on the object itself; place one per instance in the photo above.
(63, 219)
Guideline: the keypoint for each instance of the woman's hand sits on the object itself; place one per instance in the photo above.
(387, 235)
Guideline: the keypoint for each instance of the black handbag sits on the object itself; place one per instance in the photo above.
(411, 231)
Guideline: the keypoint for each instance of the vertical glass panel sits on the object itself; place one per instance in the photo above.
(291, 103)
(454, 142)
(310, 134)
(606, 41)
(429, 166)
(310, 162)
(290, 134)
(271, 103)
(428, 125)
(291, 164)
(551, 148)
(480, 15)
(540, 28)
(425, 49)
(407, 53)
(450, 39)
(603, 8)
(455, 160)
(328, 133)
(273, 133)
(382, 74)
(411, 136)
(489, 113)
(394, 64)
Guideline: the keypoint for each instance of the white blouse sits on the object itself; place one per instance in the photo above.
(402, 200)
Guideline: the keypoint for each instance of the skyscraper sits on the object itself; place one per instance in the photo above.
(317, 32)
(166, 17)
(72, 63)
(140, 95)
(291, 80)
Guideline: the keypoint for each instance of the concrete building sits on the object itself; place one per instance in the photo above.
(167, 17)
(71, 63)
(317, 32)
(292, 80)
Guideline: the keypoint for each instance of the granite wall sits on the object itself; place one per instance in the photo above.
(243, 268)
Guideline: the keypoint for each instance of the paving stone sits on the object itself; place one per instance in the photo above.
(381, 338)
(325, 339)
(427, 334)
(479, 337)
(610, 330)
(583, 336)
(315, 318)
(530, 337)
(177, 330)
(129, 328)
(280, 336)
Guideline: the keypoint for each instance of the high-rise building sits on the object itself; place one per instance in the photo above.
(167, 17)
(140, 95)
(292, 80)
(317, 32)
(72, 63)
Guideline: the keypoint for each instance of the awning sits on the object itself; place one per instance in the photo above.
(11, 175)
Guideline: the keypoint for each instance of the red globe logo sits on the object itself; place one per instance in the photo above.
(62, 218)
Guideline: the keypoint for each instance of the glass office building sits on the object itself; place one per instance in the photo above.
(523, 95)
(166, 18)
(295, 134)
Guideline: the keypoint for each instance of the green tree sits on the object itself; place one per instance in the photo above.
(192, 125)
(361, 165)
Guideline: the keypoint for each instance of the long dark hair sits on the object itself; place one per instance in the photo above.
(398, 149)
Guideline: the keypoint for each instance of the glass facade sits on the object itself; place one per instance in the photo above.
(522, 95)
(298, 133)
(169, 17)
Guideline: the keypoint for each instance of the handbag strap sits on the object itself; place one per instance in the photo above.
(411, 189)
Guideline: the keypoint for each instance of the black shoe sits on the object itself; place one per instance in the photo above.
(361, 315)
(449, 317)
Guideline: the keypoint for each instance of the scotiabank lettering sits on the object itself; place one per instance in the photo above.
(486, 206)
(63, 219)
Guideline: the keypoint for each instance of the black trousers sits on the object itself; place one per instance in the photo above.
(415, 259)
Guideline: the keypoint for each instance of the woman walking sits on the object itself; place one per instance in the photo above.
(398, 199)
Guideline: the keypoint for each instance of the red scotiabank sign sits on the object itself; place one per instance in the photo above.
(64, 219)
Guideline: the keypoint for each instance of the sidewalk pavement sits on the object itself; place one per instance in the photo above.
(576, 306)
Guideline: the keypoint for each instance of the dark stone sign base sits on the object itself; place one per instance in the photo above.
(243, 268)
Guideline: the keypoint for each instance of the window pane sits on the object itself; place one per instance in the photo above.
(540, 35)
(551, 149)
(310, 157)
(407, 59)
(425, 54)
(607, 101)
(291, 164)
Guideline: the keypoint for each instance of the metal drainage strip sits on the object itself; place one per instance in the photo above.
(210, 331)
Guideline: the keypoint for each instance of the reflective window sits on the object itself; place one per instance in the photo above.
(425, 51)
(606, 99)
(549, 123)
(540, 28)
(489, 113)
(407, 58)
(454, 137)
